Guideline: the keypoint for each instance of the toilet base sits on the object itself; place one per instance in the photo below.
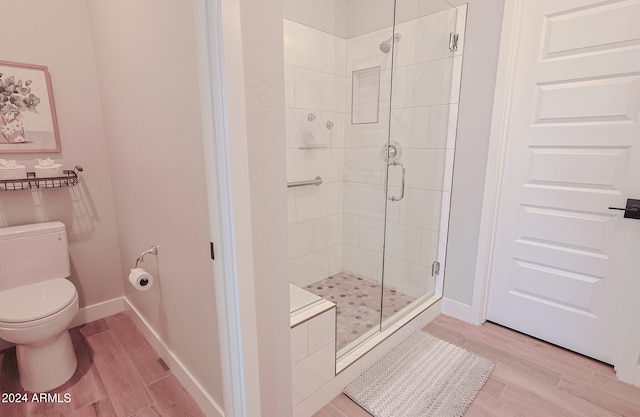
(47, 364)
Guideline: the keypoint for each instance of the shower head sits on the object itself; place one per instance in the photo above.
(385, 46)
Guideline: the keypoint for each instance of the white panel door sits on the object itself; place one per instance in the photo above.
(563, 262)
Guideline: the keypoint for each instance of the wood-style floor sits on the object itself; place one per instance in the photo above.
(532, 378)
(119, 375)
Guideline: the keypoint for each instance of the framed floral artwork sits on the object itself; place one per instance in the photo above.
(27, 112)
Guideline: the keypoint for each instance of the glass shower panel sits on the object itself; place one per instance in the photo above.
(423, 108)
(338, 64)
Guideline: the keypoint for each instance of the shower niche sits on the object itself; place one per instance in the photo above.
(368, 237)
(365, 96)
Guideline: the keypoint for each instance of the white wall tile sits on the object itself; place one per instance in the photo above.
(351, 230)
(300, 239)
(363, 166)
(291, 205)
(425, 39)
(337, 131)
(408, 278)
(318, 90)
(429, 247)
(364, 51)
(307, 47)
(403, 242)
(352, 134)
(333, 192)
(376, 135)
(394, 272)
(310, 268)
(327, 232)
(428, 83)
(417, 280)
(371, 234)
(301, 131)
(305, 164)
(410, 126)
(299, 343)
(339, 56)
(337, 165)
(311, 202)
(335, 259)
(398, 95)
(421, 208)
(313, 372)
(322, 330)
(443, 126)
(425, 168)
(364, 200)
(289, 86)
(348, 92)
(360, 262)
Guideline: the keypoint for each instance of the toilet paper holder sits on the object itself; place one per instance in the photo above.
(153, 250)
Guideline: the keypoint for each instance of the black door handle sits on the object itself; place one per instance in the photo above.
(632, 211)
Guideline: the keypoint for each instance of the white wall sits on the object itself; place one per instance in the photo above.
(60, 38)
(147, 71)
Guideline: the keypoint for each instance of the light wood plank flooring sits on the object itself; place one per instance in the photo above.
(119, 375)
(532, 378)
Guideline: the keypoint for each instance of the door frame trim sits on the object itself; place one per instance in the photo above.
(505, 80)
(627, 363)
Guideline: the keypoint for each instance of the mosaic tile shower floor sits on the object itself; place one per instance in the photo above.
(357, 304)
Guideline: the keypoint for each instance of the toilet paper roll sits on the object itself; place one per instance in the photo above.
(140, 279)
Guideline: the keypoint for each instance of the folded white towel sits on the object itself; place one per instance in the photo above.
(10, 170)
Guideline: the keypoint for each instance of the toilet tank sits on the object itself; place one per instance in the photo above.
(32, 253)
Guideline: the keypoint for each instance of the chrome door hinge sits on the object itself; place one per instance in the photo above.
(453, 41)
(435, 268)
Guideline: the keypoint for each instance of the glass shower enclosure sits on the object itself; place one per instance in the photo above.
(371, 106)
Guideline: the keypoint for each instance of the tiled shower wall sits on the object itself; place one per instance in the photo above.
(315, 85)
(341, 227)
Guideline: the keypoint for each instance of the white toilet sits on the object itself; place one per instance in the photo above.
(38, 303)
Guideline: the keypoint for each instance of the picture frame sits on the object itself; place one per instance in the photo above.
(28, 121)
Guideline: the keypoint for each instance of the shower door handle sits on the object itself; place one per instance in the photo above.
(404, 171)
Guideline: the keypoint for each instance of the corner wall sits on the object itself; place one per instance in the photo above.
(482, 42)
(147, 71)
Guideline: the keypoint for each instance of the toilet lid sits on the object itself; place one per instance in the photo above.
(35, 301)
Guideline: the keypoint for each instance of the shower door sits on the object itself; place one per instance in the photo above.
(368, 116)
(423, 111)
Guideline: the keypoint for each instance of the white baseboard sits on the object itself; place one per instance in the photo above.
(88, 314)
(457, 310)
(198, 393)
(98, 311)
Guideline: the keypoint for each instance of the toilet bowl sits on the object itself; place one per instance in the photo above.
(35, 317)
(38, 303)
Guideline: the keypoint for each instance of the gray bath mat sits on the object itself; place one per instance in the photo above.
(422, 377)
